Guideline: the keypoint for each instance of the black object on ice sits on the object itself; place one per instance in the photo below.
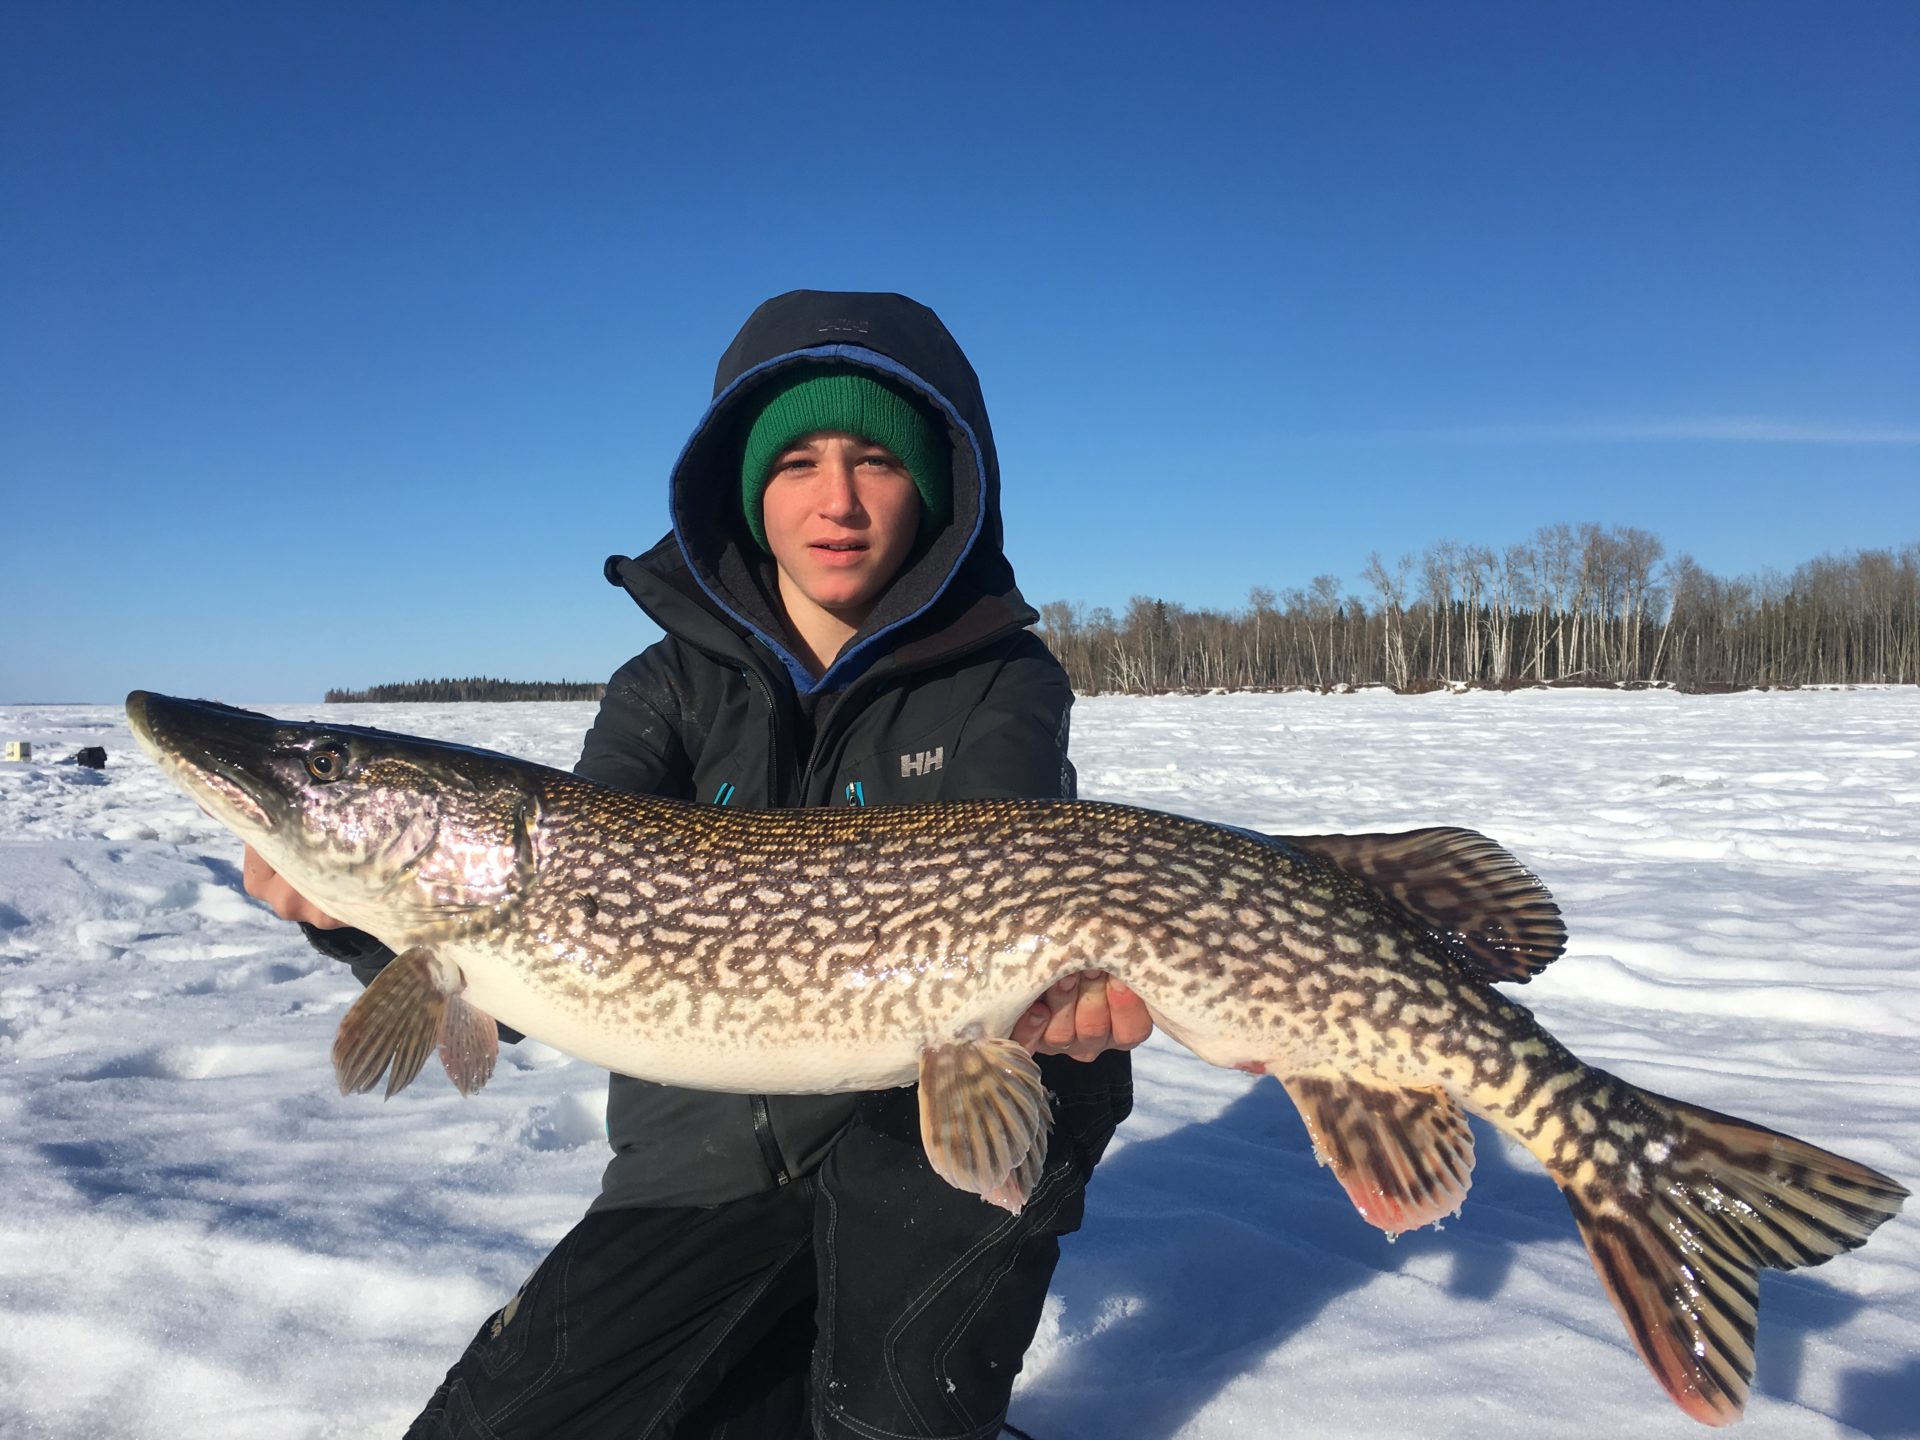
(94, 757)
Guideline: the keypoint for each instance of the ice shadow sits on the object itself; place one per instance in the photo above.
(1795, 1305)
(1208, 1248)
(99, 1172)
(1883, 1402)
(141, 1189)
(1225, 1239)
(224, 872)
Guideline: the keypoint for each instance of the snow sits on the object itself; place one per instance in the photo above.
(200, 1237)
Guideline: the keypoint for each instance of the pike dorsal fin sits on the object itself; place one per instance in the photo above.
(1479, 903)
(1404, 1157)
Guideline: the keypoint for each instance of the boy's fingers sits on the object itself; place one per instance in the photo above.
(250, 867)
(264, 883)
(1084, 1015)
(1031, 1027)
(1092, 1021)
(1061, 1031)
(1132, 1023)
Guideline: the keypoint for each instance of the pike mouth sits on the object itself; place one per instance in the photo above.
(227, 785)
(209, 778)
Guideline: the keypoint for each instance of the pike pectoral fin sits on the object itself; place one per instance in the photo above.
(1405, 1157)
(392, 1028)
(984, 1118)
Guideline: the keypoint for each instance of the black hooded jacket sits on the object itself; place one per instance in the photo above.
(943, 695)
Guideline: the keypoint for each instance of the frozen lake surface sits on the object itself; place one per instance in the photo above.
(201, 1238)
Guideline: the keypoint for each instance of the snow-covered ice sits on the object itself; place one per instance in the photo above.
(200, 1237)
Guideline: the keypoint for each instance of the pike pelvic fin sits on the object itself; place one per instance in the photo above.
(469, 1045)
(984, 1118)
(411, 1006)
(1404, 1157)
(1477, 901)
(1678, 1240)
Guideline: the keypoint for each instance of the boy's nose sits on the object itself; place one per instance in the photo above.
(838, 496)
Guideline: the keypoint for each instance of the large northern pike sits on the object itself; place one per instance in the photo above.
(857, 949)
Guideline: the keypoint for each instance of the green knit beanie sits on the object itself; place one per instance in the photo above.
(850, 400)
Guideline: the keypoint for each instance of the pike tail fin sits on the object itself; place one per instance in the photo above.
(1679, 1234)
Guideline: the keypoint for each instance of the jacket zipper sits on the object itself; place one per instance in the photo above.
(763, 1135)
(769, 1147)
(821, 741)
(773, 727)
(762, 1113)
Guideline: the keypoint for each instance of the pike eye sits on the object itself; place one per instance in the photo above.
(327, 763)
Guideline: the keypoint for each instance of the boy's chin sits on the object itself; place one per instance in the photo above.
(833, 592)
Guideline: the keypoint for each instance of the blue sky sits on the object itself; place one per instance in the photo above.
(341, 342)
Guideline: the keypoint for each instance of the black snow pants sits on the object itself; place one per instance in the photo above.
(870, 1301)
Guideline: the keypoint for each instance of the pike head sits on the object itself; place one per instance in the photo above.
(401, 837)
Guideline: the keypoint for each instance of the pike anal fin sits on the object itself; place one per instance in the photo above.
(1405, 1157)
(1679, 1230)
(413, 1005)
(984, 1118)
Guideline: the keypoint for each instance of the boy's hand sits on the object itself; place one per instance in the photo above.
(1083, 1016)
(263, 882)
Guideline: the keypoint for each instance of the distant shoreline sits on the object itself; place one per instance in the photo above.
(385, 694)
(1458, 687)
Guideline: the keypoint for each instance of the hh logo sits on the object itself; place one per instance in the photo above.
(925, 763)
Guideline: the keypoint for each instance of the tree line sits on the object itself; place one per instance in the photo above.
(1577, 604)
(473, 688)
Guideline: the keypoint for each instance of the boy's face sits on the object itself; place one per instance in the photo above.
(841, 516)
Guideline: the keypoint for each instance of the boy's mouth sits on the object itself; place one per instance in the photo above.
(832, 555)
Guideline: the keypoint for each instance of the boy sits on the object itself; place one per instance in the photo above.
(842, 627)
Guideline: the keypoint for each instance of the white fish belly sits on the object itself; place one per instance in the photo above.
(768, 1057)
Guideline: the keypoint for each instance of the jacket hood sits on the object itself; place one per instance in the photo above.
(958, 578)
